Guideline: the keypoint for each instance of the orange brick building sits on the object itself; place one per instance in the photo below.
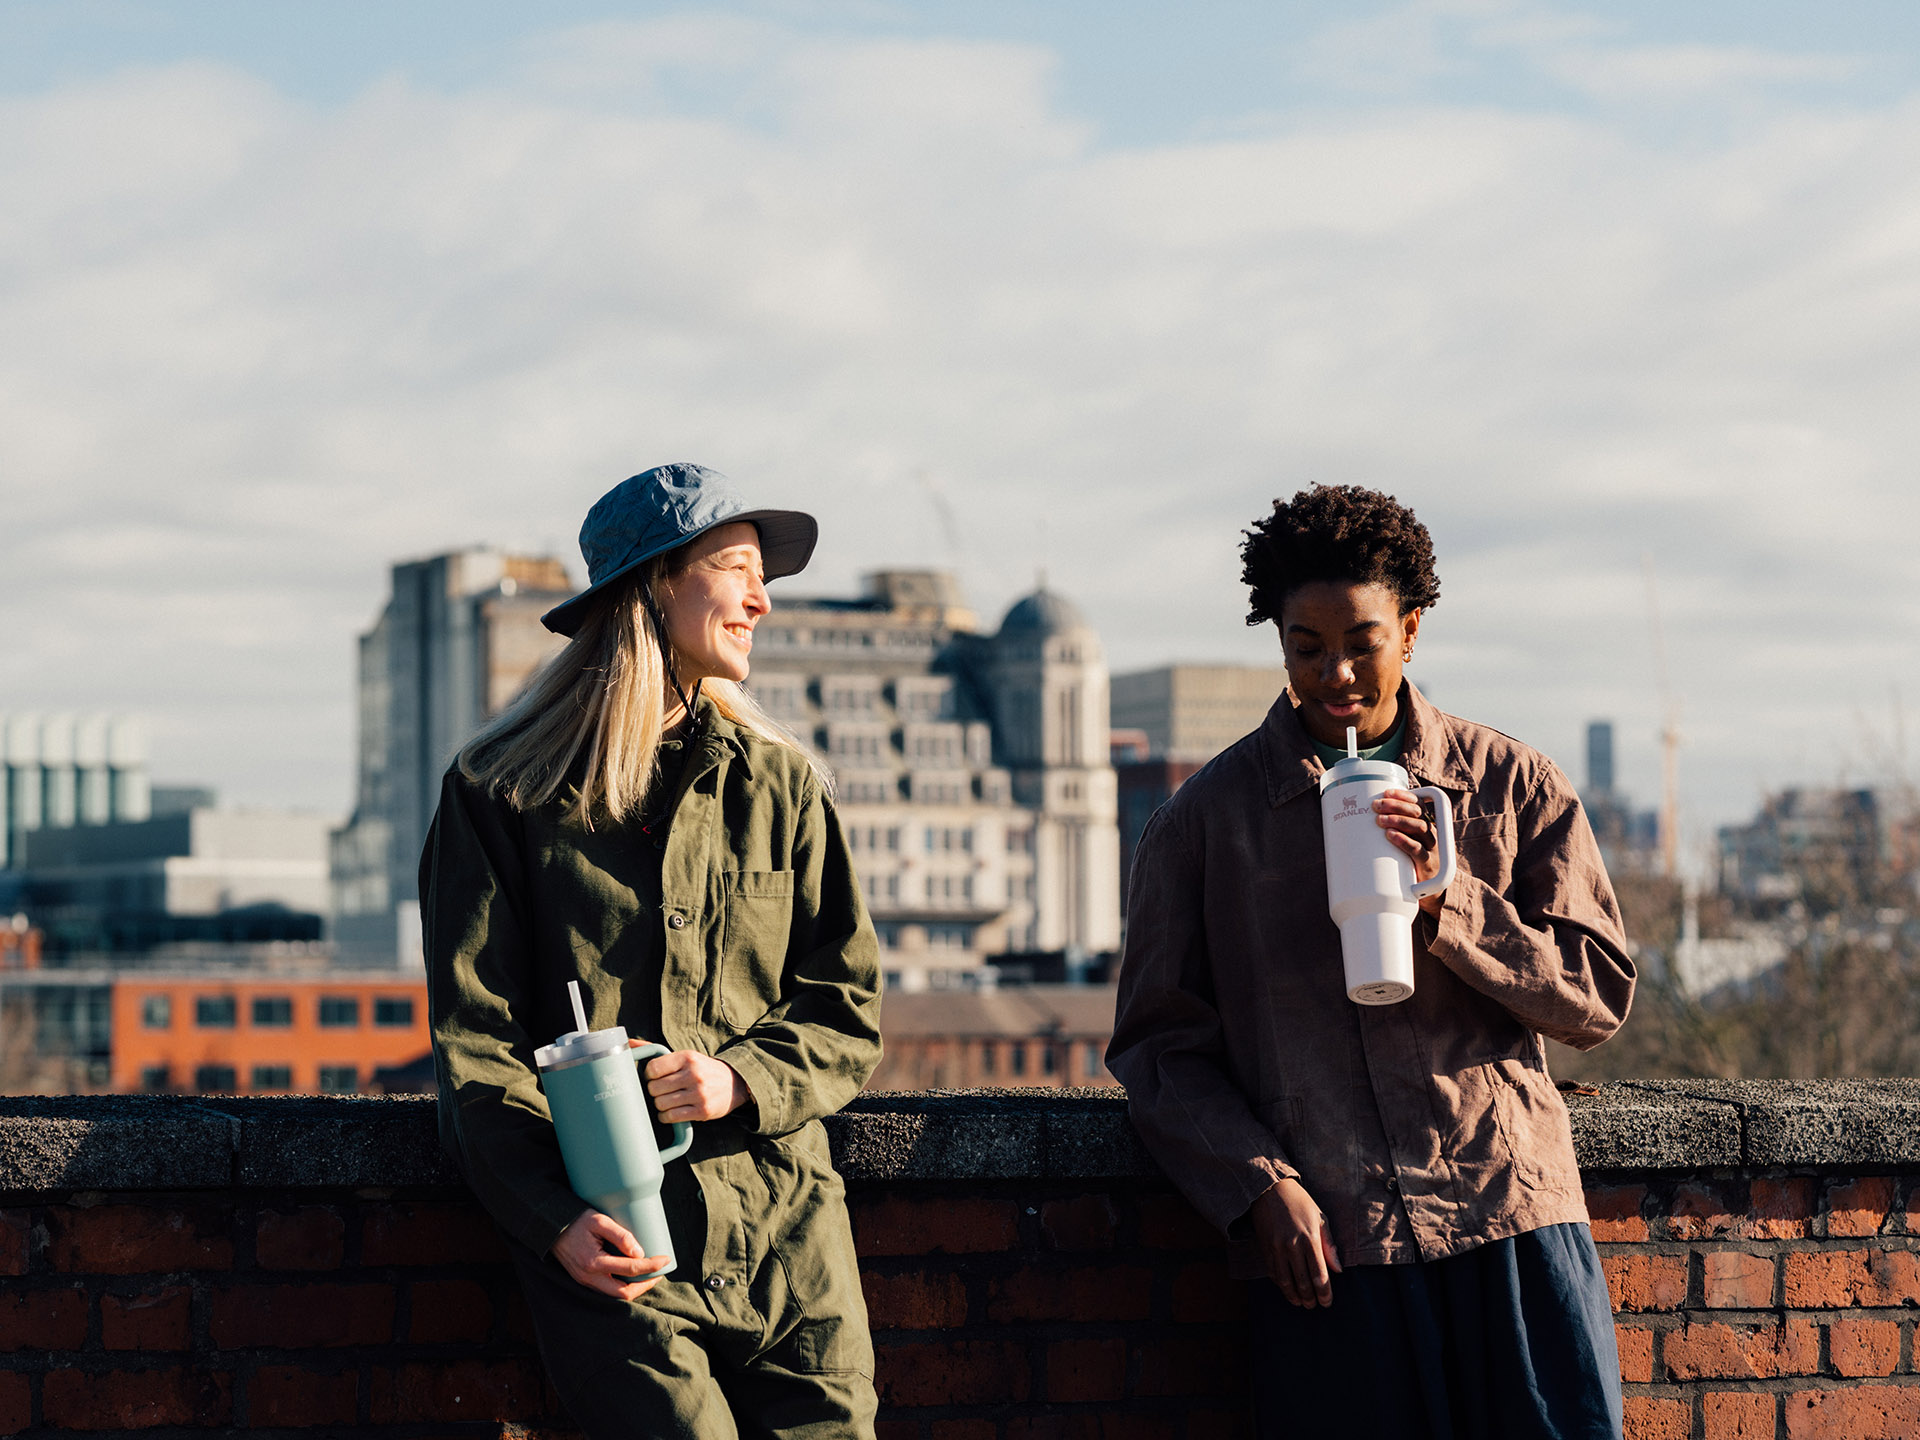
(251, 1033)
(1019, 1036)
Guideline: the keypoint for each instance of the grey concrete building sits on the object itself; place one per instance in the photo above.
(1193, 712)
(455, 642)
(63, 770)
(971, 768)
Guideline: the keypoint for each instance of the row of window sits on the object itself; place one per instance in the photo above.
(225, 1079)
(275, 1012)
(1052, 1057)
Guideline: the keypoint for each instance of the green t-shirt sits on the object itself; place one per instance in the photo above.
(1387, 749)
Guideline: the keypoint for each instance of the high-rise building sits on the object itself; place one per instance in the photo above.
(1173, 720)
(971, 768)
(58, 771)
(1600, 757)
(456, 641)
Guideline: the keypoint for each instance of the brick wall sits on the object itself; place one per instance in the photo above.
(290, 1265)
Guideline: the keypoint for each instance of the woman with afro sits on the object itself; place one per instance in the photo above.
(1397, 1182)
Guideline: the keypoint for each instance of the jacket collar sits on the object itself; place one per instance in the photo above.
(714, 738)
(1430, 752)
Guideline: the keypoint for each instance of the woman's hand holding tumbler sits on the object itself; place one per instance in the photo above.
(602, 1255)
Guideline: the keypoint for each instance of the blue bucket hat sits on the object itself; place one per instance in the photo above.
(661, 509)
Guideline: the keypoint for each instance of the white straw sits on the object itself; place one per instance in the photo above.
(1353, 753)
(579, 1010)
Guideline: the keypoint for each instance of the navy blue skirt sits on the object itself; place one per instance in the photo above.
(1510, 1341)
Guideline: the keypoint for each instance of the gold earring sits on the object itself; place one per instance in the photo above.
(1406, 658)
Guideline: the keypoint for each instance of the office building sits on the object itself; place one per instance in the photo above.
(971, 768)
(196, 876)
(59, 771)
(457, 639)
(1170, 721)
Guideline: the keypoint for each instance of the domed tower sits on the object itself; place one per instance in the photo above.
(1049, 696)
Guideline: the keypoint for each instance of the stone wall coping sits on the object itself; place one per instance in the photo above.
(53, 1144)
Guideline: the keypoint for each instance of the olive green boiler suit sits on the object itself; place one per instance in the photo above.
(735, 929)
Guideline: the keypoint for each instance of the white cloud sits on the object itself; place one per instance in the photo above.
(258, 350)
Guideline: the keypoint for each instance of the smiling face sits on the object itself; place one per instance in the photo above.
(713, 601)
(1345, 646)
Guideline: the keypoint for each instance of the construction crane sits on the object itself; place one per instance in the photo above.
(1669, 731)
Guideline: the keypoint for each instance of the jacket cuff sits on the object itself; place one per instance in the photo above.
(769, 1115)
(1261, 1176)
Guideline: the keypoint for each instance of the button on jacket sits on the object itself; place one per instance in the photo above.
(743, 935)
(1421, 1129)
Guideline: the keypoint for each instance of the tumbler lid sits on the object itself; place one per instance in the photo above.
(1343, 771)
(577, 1045)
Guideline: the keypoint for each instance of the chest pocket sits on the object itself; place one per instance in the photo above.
(1485, 844)
(753, 944)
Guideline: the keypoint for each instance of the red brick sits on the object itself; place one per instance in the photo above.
(1829, 1279)
(1613, 1212)
(1093, 1425)
(896, 1430)
(136, 1240)
(43, 1319)
(1893, 1278)
(453, 1390)
(1736, 1280)
(934, 1225)
(1651, 1418)
(154, 1320)
(1646, 1282)
(312, 1238)
(1190, 1365)
(448, 1312)
(16, 1402)
(1087, 1222)
(1737, 1415)
(286, 1396)
(1168, 1222)
(1699, 1212)
(1114, 1292)
(15, 1229)
(296, 1317)
(1635, 1343)
(429, 1234)
(1822, 1279)
(1778, 1209)
(135, 1399)
(1716, 1351)
(964, 1430)
(954, 1372)
(1204, 1292)
(1865, 1412)
(917, 1300)
(1860, 1207)
(1079, 1370)
(1864, 1347)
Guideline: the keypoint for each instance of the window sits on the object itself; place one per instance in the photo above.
(393, 1010)
(213, 1012)
(273, 1077)
(1018, 1058)
(156, 1011)
(272, 1010)
(209, 1079)
(1049, 1062)
(1091, 1066)
(339, 1079)
(986, 1057)
(156, 1077)
(339, 1012)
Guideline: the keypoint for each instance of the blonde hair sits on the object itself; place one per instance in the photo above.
(602, 697)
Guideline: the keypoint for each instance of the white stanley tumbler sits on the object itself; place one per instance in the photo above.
(1370, 889)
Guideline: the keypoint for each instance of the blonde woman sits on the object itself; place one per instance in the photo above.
(635, 824)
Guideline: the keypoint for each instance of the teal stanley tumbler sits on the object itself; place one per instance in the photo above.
(605, 1123)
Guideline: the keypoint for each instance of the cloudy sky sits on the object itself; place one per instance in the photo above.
(1002, 287)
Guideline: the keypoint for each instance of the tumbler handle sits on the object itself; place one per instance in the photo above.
(1443, 831)
(682, 1131)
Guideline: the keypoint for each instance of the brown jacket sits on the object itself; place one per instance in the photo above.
(1422, 1129)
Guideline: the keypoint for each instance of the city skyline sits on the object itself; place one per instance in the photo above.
(1578, 288)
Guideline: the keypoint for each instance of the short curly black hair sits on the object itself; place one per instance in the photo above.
(1337, 532)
